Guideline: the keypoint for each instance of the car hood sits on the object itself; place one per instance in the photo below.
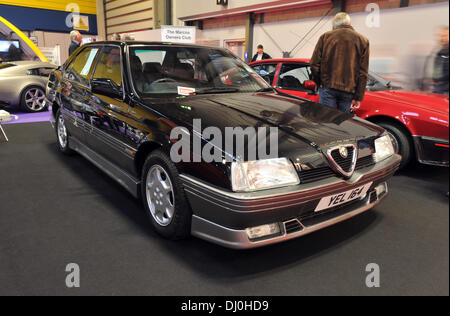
(306, 121)
(429, 101)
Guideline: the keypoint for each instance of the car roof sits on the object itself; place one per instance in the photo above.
(133, 43)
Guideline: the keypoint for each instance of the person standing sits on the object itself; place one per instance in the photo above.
(440, 69)
(115, 37)
(340, 65)
(261, 55)
(75, 38)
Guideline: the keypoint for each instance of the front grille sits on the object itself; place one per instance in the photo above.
(308, 176)
(292, 226)
(312, 219)
(365, 162)
(312, 175)
(344, 163)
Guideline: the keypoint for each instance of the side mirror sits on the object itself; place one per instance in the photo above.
(310, 85)
(106, 87)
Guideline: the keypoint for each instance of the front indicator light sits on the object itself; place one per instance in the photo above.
(263, 231)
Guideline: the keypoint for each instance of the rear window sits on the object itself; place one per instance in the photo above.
(43, 72)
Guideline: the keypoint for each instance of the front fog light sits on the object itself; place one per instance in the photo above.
(263, 231)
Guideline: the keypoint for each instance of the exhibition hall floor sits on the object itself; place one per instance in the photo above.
(22, 117)
(56, 210)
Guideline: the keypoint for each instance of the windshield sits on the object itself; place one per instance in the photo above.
(190, 70)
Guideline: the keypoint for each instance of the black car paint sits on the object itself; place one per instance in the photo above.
(124, 130)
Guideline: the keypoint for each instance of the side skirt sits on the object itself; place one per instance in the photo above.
(130, 183)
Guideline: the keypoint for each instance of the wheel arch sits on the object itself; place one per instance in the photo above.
(388, 119)
(144, 150)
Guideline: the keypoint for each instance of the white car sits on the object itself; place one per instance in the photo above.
(23, 83)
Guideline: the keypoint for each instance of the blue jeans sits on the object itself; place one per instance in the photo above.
(335, 98)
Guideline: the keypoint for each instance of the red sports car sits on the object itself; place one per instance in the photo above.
(416, 121)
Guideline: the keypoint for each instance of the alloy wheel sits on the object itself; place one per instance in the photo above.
(34, 99)
(160, 195)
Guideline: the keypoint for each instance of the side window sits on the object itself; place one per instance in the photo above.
(80, 68)
(267, 71)
(42, 72)
(293, 77)
(109, 65)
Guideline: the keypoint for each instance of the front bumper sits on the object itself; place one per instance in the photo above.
(432, 151)
(222, 217)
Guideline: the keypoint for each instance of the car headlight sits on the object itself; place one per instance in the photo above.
(383, 148)
(263, 174)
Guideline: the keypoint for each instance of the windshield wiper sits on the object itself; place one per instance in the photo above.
(213, 90)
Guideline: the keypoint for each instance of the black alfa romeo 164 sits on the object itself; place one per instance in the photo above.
(119, 103)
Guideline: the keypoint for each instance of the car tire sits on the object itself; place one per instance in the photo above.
(401, 141)
(62, 135)
(164, 198)
(32, 99)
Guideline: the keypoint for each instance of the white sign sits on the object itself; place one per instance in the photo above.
(53, 54)
(178, 34)
(186, 91)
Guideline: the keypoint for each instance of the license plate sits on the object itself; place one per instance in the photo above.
(342, 198)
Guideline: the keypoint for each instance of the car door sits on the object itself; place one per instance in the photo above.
(74, 86)
(292, 78)
(110, 134)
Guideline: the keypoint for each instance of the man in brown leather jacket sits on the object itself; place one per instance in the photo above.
(340, 65)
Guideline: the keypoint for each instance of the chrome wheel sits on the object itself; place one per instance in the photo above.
(160, 195)
(34, 99)
(62, 132)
